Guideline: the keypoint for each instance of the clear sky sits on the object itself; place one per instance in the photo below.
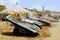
(48, 4)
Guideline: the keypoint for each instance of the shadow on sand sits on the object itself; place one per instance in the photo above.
(20, 35)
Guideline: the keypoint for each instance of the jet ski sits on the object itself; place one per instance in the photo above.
(39, 24)
(53, 20)
(41, 19)
(23, 26)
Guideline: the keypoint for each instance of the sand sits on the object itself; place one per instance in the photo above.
(46, 33)
(55, 32)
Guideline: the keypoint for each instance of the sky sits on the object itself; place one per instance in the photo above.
(52, 5)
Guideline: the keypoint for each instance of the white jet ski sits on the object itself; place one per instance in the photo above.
(39, 24)
(41, 19)
(29, 28)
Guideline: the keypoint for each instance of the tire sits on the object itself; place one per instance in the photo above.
(31, 33)
(16, 31)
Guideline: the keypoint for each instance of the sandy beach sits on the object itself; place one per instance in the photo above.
(46, 33)
(55, 34)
